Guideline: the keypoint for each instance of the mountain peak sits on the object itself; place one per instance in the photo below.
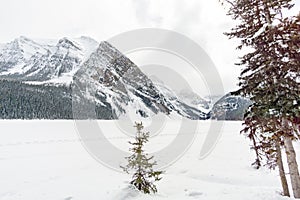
(22, 48)
(23, 39)
(107, 57)
(87, 38)
(68, 43)
(105, 43)
(106, 46)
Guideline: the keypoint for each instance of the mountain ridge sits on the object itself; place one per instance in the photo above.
(46, 62)
(116, 85)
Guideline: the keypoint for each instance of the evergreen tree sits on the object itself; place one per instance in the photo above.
(144, 174)
(271, 79)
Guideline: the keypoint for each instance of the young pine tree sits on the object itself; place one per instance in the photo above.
(141, 164)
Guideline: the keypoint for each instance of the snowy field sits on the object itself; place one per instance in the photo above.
(45, 160)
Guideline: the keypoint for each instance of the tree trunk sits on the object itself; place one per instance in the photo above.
(293, 166)
(284, 183)
(257, 163)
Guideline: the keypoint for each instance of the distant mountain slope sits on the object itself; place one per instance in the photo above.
(230, 107)
(193, 99)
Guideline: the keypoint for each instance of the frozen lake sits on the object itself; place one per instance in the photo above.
(47, 160)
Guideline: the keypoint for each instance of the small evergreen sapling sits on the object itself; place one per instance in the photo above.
(141, 163)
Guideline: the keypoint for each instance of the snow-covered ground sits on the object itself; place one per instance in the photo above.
(45, 160)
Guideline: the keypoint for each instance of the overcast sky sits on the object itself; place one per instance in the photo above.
(203, 21)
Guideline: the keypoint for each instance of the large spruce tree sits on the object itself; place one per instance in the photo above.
(271, 78)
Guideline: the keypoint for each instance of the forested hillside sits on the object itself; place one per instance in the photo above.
(24, 101)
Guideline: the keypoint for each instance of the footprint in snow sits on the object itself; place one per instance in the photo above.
(194, 194)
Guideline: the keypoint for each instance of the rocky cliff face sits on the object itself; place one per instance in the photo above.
(111, 78)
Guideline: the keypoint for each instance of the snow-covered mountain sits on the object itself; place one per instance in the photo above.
(193, 99)
(106, 79)
(27, 60)
(230, 107)
(112, 79)
(181, 102)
